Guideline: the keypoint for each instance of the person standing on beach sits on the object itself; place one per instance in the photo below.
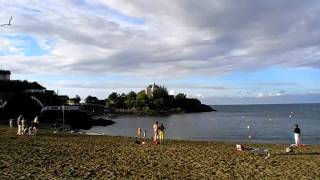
(35, 124)
(11, 123)
(144, 133)
(297, 133)
(155, 131)
(19, 124)
(139, 133)
(23, 125)
(161, 133)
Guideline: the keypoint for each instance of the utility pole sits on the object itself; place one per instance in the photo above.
(62, 117)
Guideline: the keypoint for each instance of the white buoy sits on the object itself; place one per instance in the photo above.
(248, 127)
(290, 116)
(249, 137)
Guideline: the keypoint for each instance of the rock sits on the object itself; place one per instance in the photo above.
(101, 122)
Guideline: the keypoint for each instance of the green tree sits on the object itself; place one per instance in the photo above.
(113, 97)
(91, 100)
(112, 100)
(141, 99)
(142, 96)
(180, 96)
(159, 104)
(131, 99)
(76, 99)
(131, 95)
(121, 101)
(160, 93)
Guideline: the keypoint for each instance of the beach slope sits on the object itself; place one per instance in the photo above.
(70, 156)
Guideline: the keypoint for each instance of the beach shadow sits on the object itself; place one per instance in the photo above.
(299, 154)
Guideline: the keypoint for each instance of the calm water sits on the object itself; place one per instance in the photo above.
(268, 124)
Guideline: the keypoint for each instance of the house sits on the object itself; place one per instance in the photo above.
(151, 89)
(63, 99)
(5, 75)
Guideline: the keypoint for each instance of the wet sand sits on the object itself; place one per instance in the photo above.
(74, 156)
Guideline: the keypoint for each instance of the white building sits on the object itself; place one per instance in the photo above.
(5, 75)
(151, 89)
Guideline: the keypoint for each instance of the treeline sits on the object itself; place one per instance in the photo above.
(159, 102)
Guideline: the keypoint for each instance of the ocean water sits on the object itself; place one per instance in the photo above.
(264, 123)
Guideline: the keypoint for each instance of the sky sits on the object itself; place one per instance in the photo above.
(221, 52)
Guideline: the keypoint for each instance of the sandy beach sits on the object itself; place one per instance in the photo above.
(73, 156)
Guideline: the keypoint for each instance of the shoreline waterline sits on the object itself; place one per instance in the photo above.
(271, 124)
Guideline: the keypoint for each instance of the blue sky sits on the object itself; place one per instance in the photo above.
(260, 52)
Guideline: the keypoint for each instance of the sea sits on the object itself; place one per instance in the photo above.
(240, 123)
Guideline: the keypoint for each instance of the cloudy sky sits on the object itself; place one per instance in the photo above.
(222, 51)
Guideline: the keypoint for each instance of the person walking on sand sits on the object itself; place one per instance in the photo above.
(23, 125)
(155, 131)
(161, 133)
(297, 133)
(11, 123)
(35, 124)
(19, 119)
(144, 133)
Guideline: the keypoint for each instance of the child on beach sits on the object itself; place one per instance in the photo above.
(161, 133)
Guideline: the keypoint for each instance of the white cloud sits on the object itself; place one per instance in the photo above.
(180, 37)
(9, 46)
(270, 94)
(173, 39)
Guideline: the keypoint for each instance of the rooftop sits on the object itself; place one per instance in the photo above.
(5, 72)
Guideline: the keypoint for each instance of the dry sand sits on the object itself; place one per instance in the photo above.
(73, 156)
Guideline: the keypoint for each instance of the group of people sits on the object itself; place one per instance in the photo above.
(25, 127)
(158, 133)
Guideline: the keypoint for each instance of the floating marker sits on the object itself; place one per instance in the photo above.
(248, 127)
(290, 116)
(249, 137)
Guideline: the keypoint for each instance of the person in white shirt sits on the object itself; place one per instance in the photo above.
(35, 124)
(11, 123)
(297, 133)
(155, 131)
(19, 124)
